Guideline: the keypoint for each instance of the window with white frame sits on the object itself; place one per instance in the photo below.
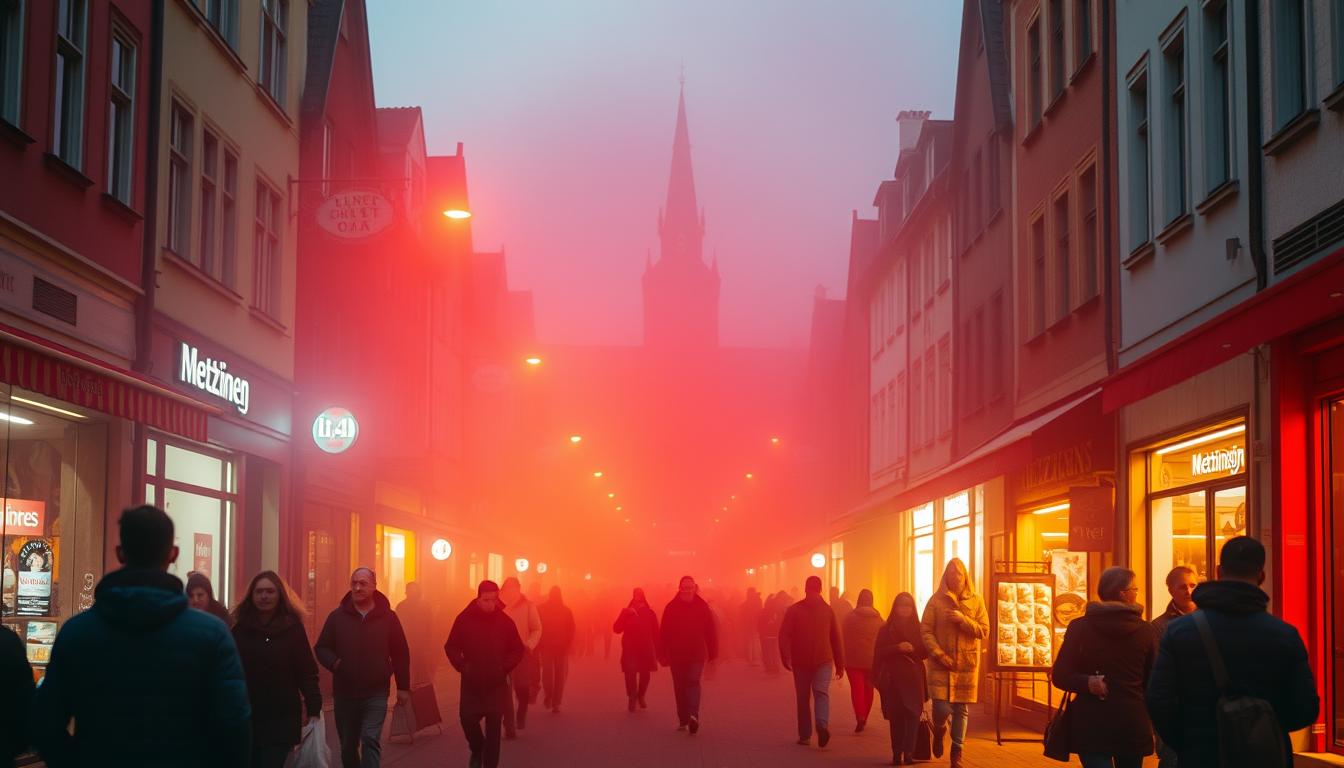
(209, 201)
(917, 404)
(998, 371)
(274, 52)
(1082, 32)
(228, 221)
(180, 127)
(1175, 161)
(935, 398)
(1035, 98)
(1140, 193)
(11, 59)
(67, 135)
(266, 251)
(121, 118)
(945, 386)
(1057, 37)
(1290, 60)
(890, 422)
(976, 338)
(1063, 257)
(1038, 277)
(902, 416)
(1088, 268)
(223, 16)
(921, 553)
(1217, 97)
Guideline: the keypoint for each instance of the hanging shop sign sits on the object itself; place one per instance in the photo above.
(441, 549)
(542, 567)
(1091, 519)
(335, 430)
(521, 565)
(355, 214)
(24, 517)
(34, 588)
(212, 377)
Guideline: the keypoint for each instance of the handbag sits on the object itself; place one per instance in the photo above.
(924, 738)
(1057, 731)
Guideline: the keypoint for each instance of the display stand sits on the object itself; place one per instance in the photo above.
(1015, 572)
(1012, 677)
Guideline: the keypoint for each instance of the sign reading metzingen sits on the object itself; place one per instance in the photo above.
(355, 214)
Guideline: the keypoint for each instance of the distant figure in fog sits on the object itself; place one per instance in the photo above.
(1104, 660)
(1181, 583)
(860, 633)
(526, 675)
(201, 596)
(810, 647)
(279, 666)
(16, 682)
(687, 641)
(898, 674)
(1262, 655)
(772, 615)
(553, 651)
(148, 681)
(954, 624)
(638, 627)
(416, 615)
(749, 619)
(484, 647)
(840, 605)
(363, 645)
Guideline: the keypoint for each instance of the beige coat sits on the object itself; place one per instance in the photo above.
(958, 643)
(528, 620)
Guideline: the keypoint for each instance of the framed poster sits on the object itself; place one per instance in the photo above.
(1022, 622)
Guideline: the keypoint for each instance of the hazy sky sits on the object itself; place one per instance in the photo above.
(567, 111)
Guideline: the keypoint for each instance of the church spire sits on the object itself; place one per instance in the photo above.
(681, 227)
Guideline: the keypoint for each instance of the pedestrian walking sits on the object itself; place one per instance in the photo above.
(363, 645)
(149, 682)
(898, 673)
(750, 619)
(416, 615)
(811, 648)
(638, 627)
(954, 624)
(1181, 583)
(1104, 661)
(16, 682)
(526, 675)
(859, 631)
(772, 615)
(1231, 635)
(279, 666)
(201, 596)
(686, 641)
(840, 604)
(484, 647)
(557, 641)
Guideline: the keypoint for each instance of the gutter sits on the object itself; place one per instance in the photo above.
(1254, 136)
(144, 318)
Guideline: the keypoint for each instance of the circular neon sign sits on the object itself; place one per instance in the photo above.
(818, 560)
(335, 430)
(521, 564)
(542, 568)
(441, 549)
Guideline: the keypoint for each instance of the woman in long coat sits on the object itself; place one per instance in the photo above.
(898, 673)
(280, 668)
(955, 622)
(638, 627)
(1105, 660)
(859, 630)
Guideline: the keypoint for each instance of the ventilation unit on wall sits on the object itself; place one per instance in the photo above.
(1309, 238)
(55, 301)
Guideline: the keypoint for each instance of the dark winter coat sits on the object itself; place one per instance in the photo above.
(687, 632)
(558, 627)
(484, 648)
(1160, 623)
(362, 652)
(1264, 656)
(1110, 639)
(638, 628)
(899, 676)
(16, 695)
(149, 682)
(810, 635)
(281, 678)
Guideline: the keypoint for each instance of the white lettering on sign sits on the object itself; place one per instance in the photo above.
(1229, 461)
(355, 214)
(212, 376)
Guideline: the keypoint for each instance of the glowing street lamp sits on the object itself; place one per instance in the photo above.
(576, 439)
(457, 214)
(750, 476)
(611, 495)
(818, 560)
(597, 474)
(533, 361)
(774, 441)
(542, 567)
(618, 509)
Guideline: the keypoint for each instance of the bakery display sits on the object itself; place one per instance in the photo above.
(1026, 623)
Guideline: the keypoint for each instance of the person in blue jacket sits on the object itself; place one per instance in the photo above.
(147, 682)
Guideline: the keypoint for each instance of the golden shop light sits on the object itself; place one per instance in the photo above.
(1192, 442)
(1053, 508)
(14, 419)
(46, 407)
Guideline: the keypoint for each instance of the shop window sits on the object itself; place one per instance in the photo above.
(199, 491)
(1335, 444)
(1043, 537)
(921, 560)
(957, 529)
(495, 567)
(838, 566)
(396, 561)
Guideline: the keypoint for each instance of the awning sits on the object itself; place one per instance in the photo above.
(55, 371)
(1007, 451)
(1312, 296)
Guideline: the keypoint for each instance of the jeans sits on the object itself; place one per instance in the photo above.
(359, 724)
(809, 684)
(860, 692)
(1094, 760)
(269, 755)
(958, 712)
(554, 673)
(904, 729)
(637, 684)
(515, 716)
(686, 688)
(484, 744)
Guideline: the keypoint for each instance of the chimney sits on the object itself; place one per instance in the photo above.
(909, 122)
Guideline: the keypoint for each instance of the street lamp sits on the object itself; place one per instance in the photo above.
(750, 476)
(457, 213)
(818, 560)
(611, 495)
(774, 441)
(521, 564)
(533, 361)
(597, 473)
(576, 439)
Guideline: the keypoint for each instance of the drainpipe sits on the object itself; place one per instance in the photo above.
(1254, 159)
(1109, 281)
(144, 315)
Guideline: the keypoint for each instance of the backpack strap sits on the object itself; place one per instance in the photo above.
(1211, 648)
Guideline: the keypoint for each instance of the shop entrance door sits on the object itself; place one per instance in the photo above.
(325, 567)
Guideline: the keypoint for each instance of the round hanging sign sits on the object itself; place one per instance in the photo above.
(335, 430)
(818, 560)
(521, 564)
(441, 549)
(354, 214)
(542, 567)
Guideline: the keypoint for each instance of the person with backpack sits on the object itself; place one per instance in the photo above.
(1231, 681)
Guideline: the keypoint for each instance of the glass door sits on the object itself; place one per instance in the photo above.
(1334, 490)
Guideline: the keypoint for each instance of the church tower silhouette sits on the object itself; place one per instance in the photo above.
(681, 292)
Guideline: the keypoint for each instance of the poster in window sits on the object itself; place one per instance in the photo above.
(35, 576)
(39, 636)
(203, 553)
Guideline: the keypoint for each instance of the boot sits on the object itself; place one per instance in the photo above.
(632, 703)
(939, 733)
(858, 727)
(642, 703)
(956, 757)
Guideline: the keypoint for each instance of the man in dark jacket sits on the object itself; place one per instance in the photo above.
(687, 641)
(484, 648)
(554, 647)
(810, 646)
(1264, 656)
(1181, 583)
(363, 645)
(147, 681)
(16, 681)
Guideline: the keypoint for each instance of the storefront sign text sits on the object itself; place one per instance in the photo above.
(355, 214)
(335, 430)
(1091, 519)
(1223, 461)
(213, 377)
(1060, 466)
(25, 518)
(203, 553)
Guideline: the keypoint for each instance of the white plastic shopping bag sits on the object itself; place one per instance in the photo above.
(313, 751)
